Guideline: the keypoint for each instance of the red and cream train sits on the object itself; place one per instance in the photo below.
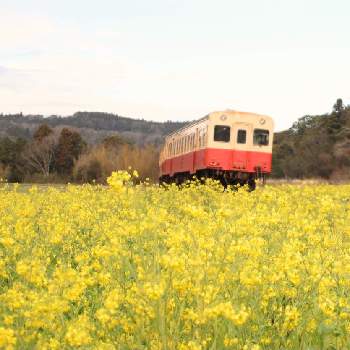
(233, 147)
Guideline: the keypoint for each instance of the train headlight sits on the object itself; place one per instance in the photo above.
(262, 121)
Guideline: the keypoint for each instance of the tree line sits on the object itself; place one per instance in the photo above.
(92, 126)
(315, 146)
(52, 156)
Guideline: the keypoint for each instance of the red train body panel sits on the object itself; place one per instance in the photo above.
(211, 158)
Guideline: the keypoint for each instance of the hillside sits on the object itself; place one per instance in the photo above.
(315, 146)
(93, 126)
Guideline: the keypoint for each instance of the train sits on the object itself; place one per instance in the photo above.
(231, 146)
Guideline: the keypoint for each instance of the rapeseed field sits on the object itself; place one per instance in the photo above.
(145, 267)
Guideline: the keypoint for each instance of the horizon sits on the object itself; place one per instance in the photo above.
(174, 60)
(134, 118)
(143, 119)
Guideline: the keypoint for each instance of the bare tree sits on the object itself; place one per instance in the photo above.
(39, 155)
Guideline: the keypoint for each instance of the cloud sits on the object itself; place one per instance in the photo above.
(50, 64)
(3, 70)
(19, 30)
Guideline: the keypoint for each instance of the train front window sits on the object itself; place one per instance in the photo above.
(222, 133)
(261, 137)
(241, 136)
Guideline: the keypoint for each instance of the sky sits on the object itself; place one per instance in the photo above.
(174, 59)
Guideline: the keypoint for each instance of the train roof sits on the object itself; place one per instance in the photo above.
(190, 124)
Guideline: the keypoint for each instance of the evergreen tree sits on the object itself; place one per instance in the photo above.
(70, 146)
(43, 131)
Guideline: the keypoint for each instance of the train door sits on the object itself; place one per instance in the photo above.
(242, 135)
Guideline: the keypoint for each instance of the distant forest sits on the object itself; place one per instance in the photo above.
(84, 147)
(92, 126)
(315, 147)
(87, 146)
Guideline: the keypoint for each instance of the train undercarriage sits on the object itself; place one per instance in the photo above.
(226, 177)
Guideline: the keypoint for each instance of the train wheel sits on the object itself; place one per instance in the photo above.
(251, 184)
(223, 182)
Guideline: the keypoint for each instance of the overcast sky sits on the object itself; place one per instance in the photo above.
(174, 59)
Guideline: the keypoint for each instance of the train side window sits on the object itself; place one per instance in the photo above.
(203, 137)
(261, 137)
(222, 133)
(241, 136)
(169, 149)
